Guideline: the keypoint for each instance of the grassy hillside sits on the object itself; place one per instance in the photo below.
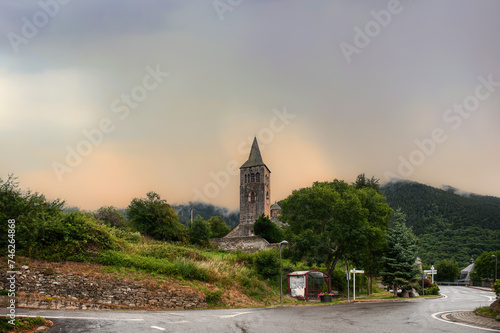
(449, 225)
(44, 230)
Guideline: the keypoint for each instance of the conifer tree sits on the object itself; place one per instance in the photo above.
(399, 267)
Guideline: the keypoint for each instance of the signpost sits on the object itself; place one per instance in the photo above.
(432, 272)
(354, 271)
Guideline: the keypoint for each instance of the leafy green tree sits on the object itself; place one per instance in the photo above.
(218, 227)
(267, 229)
(331, 221)
(371, 252)
(28, 209)
(200, 231)
(448, 270)
(154, 217)
(111, 217)
(484, 266)
(399, 268)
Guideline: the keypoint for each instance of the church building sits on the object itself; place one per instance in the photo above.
(255, 200)
(255, 191)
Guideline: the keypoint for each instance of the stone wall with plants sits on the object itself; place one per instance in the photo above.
(53, 290)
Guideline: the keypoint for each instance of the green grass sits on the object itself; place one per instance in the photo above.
(21, 324)
(485, 311)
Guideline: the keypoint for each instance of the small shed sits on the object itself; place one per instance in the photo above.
(307, 284)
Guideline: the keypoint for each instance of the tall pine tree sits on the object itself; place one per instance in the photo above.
(399, 268)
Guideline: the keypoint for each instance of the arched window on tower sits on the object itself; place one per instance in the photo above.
(246, 179)
(252, 197)
(253, 177)
(257, 177)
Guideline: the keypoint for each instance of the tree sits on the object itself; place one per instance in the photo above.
(111, 217)
(484, 266)
(29, 210)
(218, 227)
(448, 270)
(331, 221)
(267, 229)
(200, 231)
(156, 218)
(399, 268)
(363, 182)
(370, 255)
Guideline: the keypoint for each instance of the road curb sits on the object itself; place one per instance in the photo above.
(470, 318)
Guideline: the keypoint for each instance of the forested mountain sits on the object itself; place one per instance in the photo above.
(232, 218)
(449, 223)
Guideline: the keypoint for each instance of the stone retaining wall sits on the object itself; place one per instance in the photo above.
(47, 290)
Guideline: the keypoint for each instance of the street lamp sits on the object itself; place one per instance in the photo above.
(496, 263)
(281, 275)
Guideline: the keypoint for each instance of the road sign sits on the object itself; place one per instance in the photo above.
(432, 272)
(354, 271)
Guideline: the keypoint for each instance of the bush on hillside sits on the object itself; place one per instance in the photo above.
(267, 263)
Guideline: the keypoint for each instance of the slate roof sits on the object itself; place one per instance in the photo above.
(275, 206)
(255, 158)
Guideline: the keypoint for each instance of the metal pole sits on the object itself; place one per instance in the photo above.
(348, 277)
(281, 280)
(281, 273)
(354, 285)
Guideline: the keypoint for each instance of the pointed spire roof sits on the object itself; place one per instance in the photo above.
(255, 158)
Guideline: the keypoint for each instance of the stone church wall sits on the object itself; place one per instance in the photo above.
(247, 244)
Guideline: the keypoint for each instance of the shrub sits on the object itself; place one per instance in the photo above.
(126, 234)
(243, 257)
(496, 287)
(213, 297)
(69, 236)
(267, 264)
(432, 290)
(111, 217)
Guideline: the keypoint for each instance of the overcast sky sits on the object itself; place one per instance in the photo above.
(103, 101)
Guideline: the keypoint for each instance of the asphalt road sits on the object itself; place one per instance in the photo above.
(398, 317)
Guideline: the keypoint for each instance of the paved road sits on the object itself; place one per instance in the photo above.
(398, 317)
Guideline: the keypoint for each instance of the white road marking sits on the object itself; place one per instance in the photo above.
(437, 316)
(89, 318)
(234, 315)
(159, 328)
(490, 298)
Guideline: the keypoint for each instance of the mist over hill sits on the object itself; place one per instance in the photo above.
(450, 223)
(206, 211)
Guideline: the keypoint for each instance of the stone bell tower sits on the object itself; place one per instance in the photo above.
(255, 191)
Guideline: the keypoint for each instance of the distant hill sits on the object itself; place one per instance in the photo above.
(206, 211)
(449, 223)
